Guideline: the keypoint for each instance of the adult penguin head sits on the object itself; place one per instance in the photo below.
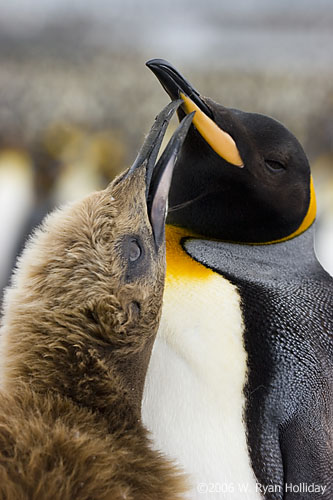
(240, 177)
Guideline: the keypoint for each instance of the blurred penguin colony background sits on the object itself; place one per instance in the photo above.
(76, 98)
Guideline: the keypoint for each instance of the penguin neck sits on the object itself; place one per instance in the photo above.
(270, 263)
(62, 359)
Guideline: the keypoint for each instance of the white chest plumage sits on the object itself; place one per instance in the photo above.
(193, 400)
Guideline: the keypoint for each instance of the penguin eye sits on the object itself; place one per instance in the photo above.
(274, 166)
(134, 250)
(135, 256)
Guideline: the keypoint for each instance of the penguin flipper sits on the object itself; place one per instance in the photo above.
(307, 451)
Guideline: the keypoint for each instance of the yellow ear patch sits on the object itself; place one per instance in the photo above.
(221, 142)
(179, 264)
(312, 210)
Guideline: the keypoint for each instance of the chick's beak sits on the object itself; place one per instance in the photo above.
(159, 175)
(160, 183)
(178, 87)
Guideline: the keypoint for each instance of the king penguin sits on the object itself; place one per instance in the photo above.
(240, 383)
(79, 322)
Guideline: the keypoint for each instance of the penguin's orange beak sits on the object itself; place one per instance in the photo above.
(178, 87)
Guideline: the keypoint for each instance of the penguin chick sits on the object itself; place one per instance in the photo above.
(245, 342)
(78, 327)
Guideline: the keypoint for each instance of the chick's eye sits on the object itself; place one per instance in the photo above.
(274, 166)
(135, 251)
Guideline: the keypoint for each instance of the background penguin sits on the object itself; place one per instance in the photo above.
(16, 200)
(78, 327)
(242, 365)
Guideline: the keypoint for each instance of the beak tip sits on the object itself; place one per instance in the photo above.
(150, 63)
(157, 62)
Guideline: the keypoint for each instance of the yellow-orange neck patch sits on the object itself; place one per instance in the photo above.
(179, 264)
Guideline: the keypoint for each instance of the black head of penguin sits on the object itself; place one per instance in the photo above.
(92, 277)
(241, 177)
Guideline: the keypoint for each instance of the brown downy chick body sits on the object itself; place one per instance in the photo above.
(78, 327)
